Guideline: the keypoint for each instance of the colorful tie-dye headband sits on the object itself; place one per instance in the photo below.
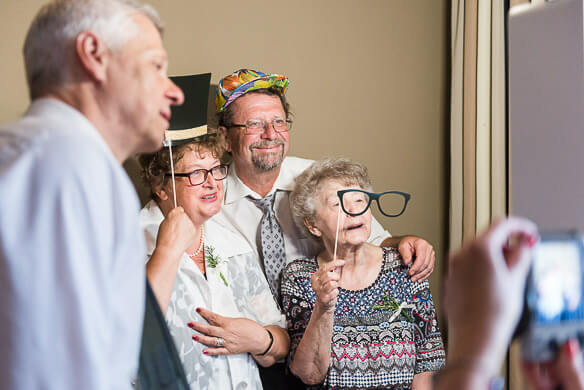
(243, 81)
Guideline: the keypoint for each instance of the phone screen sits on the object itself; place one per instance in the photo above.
(557, 291)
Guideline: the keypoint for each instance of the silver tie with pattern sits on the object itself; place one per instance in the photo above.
(272, 241)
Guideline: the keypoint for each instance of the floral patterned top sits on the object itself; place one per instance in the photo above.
(246, 294)
(372, 346)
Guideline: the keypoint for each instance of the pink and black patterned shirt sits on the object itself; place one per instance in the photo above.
(369, 348)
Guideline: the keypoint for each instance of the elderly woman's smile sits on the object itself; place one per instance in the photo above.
(354, 226)
(210, 198)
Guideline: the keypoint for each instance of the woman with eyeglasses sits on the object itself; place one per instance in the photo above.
(355, 319)
(208, 277)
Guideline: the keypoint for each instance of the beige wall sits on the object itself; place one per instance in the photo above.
(369, 80)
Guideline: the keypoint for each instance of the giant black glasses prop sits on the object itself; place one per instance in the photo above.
(356, 202)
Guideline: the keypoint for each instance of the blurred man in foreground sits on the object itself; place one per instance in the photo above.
(71, 248)
(483, 301)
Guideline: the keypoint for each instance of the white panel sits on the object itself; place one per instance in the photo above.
(546, 121)
(483, 140)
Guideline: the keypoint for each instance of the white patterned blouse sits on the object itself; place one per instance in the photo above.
(246, 295)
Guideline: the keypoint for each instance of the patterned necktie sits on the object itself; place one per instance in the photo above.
(272, 242)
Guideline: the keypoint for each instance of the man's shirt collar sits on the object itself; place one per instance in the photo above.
(235, 189)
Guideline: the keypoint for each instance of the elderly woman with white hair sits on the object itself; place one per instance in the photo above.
(355, 320)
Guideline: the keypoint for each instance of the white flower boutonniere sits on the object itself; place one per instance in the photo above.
(214, 261)
(390, 303)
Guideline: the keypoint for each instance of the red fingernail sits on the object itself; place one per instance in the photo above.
(572, 348)
(191, 324)
(205, 352)
(531, 241)
(198, 309)
(196, 338)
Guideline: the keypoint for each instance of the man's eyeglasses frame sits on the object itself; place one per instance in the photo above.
(253, 130)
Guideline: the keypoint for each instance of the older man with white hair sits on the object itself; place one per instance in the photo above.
(71, 248)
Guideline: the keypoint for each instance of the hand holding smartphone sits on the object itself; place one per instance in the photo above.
(554, 296)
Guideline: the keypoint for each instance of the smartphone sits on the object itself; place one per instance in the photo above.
(554, 296)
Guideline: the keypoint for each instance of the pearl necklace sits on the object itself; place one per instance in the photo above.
(201, 245)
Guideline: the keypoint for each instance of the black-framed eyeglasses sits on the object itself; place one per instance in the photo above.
(199, 176)
(355, 202)
(258, 126)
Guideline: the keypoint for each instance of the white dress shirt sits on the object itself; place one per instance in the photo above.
(240, 214)
(246, 295)
(72, 275)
